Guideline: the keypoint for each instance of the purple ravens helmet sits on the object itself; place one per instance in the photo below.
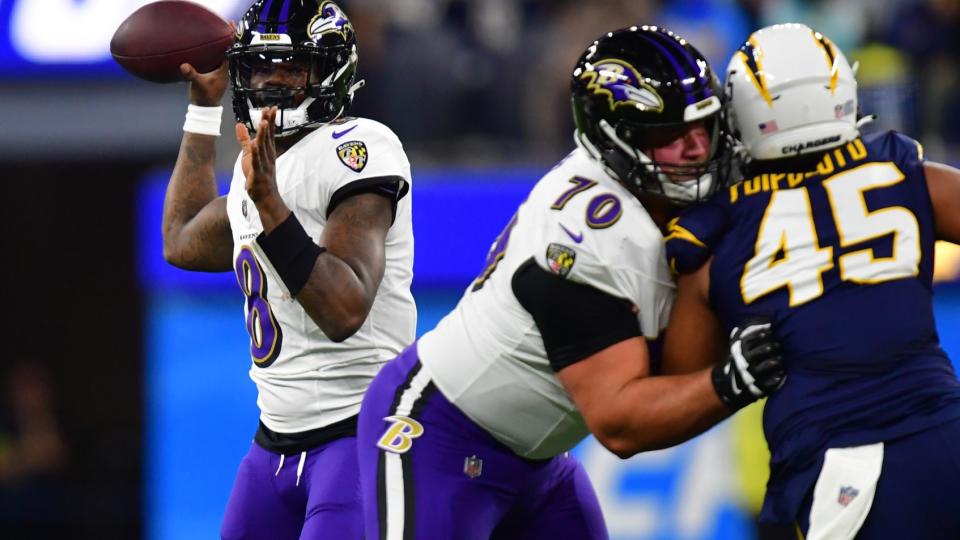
(315, 34)
(639, 88)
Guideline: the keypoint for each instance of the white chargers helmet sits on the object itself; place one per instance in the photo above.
(790, 91)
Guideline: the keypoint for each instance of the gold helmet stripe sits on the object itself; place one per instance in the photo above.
(830, 51)
(750, 54)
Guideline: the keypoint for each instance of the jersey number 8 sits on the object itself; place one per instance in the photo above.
(265, 334)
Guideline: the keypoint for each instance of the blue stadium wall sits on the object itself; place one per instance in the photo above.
(201, 411)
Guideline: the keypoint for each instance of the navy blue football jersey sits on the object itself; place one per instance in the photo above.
(840, 257)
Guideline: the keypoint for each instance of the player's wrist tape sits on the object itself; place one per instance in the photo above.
(291, 253)
(203, 120)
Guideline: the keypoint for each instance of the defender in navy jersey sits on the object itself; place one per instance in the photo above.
(832, 236)
(465, 434)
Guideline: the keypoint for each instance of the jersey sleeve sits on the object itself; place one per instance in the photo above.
(902, 150)
(905, 149)
(692, 236)
(574, 320)
(624, 261)
(370, 159)
(909, 157)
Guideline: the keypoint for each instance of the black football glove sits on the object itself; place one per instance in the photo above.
(754, 367)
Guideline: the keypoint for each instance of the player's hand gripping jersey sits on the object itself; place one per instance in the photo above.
(849, 239)
(488, 355)
(306, 381)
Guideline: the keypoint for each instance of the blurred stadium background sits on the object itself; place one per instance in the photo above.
(125, 401)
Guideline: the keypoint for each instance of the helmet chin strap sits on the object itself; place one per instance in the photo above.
(688, 191)
(288, 119)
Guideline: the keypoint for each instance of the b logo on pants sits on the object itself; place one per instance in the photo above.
(399, 436)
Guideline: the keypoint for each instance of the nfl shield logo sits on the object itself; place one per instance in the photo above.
(353, 154)
(847, 495)
(472, 466)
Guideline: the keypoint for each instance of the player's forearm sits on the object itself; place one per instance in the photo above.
(196, 233)
(336, 298)
(662, 411)
(344, 280)
(193, 182)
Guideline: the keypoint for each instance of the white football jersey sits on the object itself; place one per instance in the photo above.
(304, 380)
(487, 356)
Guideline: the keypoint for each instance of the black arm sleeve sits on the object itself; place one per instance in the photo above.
(391, 187)
(575, 320)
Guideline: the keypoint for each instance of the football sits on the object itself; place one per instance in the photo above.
(155, 39)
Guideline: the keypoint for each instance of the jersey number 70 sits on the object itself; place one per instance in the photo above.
(602, 211)
(788, 252)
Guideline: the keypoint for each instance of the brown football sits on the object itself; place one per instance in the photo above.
(155, 39)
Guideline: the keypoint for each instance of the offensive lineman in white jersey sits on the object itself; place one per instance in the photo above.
(318, 232)
(465, 434)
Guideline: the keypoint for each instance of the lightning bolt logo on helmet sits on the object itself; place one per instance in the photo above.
(329, 20)
(622, 85)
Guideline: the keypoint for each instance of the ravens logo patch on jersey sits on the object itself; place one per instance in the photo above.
(353, 154)
(560, 258)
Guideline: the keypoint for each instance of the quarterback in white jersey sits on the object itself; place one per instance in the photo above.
(317, 230)
(553, 340)
(304, 379)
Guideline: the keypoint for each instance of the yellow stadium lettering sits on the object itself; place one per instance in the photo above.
(398, 438)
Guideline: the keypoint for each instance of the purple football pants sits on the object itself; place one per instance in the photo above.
(279, 501)
(430, 473)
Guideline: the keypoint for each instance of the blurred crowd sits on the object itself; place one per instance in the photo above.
(478, 82)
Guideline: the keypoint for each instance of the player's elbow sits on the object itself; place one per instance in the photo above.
(342, 328)
(625, 438)
(173, 255)
(611, 432)
(620, 446)
(626, 447)
(173, 251)
(340, 335)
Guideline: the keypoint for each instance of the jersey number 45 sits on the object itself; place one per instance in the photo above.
(788, 252)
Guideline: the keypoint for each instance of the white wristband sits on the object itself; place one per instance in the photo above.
(203, 120)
